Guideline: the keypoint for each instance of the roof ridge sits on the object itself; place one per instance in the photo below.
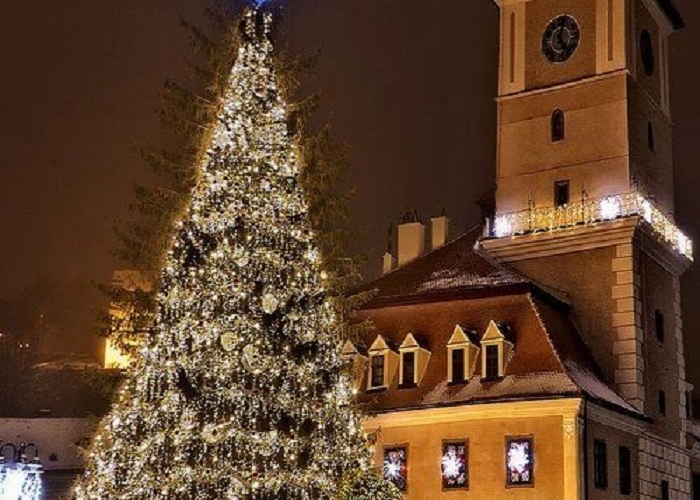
(555, 350)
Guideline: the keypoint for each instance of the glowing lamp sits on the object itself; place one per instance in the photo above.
(502, 227)
(647, 211)
(609, 208)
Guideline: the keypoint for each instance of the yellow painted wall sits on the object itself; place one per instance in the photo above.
(487, 427)
(594, 155)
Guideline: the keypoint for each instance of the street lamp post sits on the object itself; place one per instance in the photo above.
(20, 477)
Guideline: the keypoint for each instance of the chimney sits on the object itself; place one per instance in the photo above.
(411, 238)
(389, 263)
(439, 228)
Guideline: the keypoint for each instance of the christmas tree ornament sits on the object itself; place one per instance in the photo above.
(271, 418)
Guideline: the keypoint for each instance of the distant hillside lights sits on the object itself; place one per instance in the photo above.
(590, 212)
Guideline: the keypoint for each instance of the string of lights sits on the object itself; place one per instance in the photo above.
(240, 390)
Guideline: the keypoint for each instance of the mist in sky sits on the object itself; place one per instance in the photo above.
(409, 87)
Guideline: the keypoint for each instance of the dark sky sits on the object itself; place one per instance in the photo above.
(409, 84)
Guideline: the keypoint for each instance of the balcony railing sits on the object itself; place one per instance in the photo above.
(590, 212)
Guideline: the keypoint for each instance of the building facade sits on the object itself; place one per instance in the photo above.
(541, 357)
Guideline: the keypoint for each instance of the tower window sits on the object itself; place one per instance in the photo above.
(562, 193)
(458, 374)
(662, 402)
(664, 490)
(625, 471)
(492, 371)
(659, 325)
(558, 126)
(600, 464)
(377, 371)
(408, 373)
(688, 405)
(646, 50)
(650, 136)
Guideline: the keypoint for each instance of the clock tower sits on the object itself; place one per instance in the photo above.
(584, 199)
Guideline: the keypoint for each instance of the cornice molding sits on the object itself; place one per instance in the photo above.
(568, 407)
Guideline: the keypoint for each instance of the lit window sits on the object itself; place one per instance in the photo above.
(395, 467)
(625, 471)
(600, 464)
(377, 375)
(519, 461)
(408, 373)
(453, 464)
(558, 126)
(562, 193)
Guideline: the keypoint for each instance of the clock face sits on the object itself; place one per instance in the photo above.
(561, 38)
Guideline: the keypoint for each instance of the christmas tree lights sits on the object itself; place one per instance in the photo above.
(239, 392)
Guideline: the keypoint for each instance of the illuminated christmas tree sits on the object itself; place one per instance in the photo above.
(239, 392)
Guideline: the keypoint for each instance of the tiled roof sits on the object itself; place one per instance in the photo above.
(454, 268)
(549, 357)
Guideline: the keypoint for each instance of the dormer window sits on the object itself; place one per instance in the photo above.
(408, 368)
(414, 361)
(355, 362)
(497, 347)
(458, 369)
(382, 364)
(462, 351)
(492, 369)
(377, 371)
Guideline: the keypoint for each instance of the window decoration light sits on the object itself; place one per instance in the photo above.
(519, 461)
(589, 212)
(395, 466)
(454, 465)
(609, 208)
(20, 478)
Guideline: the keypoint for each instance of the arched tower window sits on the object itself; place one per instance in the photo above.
(558, 126)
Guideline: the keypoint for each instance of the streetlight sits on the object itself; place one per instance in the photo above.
(20, 478)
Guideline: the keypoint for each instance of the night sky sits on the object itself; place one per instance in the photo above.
(409, 86)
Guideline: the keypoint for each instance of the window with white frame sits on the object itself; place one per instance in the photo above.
(462, 351)
(377, 365)
(355, 362)
(414, 361)
(496, 348)
(383, 362)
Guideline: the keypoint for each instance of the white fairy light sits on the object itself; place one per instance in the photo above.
(502, 226)
(609, 208)
(590, 212)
